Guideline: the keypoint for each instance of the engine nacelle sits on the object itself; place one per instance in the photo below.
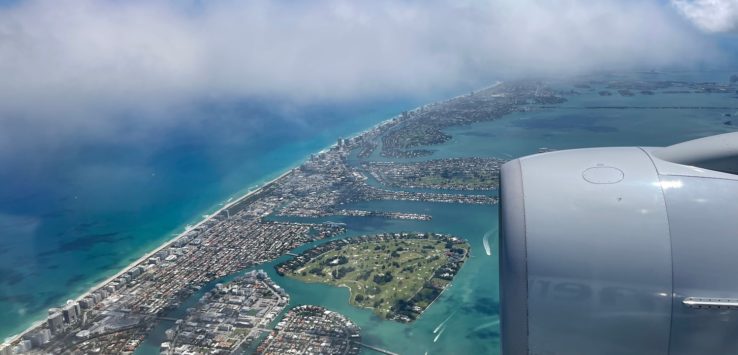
(621, 250)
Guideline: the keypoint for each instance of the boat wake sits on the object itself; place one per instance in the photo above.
(487, 325)
(439, 334)
(443, 323)
(485, 240)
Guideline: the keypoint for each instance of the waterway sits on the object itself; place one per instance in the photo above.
(465, 317)
(75, 214)
(473, 294)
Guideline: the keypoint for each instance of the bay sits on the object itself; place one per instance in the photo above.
(104, 207)
(465, 318)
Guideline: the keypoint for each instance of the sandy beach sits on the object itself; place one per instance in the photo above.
(152, 252)
(167, 243)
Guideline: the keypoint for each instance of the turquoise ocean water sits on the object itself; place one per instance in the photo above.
(464, 319)
(72, 217)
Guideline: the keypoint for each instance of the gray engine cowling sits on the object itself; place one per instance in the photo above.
(621, 250)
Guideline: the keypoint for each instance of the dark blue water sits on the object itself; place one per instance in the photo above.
(72, 215)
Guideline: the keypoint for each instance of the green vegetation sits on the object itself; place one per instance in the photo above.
(454, 173)
(413, 136)
(397, 278)
(454, 180)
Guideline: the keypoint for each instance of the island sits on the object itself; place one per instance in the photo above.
(397, 275)
(441, 174)
(116, 315)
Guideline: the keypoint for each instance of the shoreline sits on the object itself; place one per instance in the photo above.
(295, 275)
(249, 192)
(150, 253)
(166, 243)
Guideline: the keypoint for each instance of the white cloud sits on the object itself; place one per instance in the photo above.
(66, 64)
(143, 49)
(710, 15)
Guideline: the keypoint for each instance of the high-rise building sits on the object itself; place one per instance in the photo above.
(87, 302)
(70, 313)
(24, 346)
(5, 349)
(55, 322)
(39, 337)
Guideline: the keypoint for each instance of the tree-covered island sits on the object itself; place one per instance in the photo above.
(397, 275)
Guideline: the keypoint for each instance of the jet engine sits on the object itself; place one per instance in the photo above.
(630, 250)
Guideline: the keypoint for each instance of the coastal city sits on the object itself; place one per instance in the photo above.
(336, 177)
(312, 330)
(119, 313)
(229, 318)
(115, 317)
